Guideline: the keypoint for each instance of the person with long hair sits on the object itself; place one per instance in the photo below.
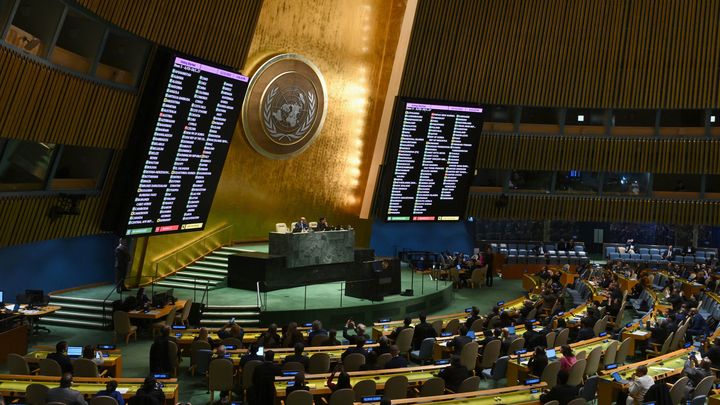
(568, 359)
(343, 380)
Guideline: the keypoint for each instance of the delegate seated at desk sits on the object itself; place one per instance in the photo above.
(301, 226)
(322, 225)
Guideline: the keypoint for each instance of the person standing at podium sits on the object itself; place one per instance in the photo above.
(301, 225)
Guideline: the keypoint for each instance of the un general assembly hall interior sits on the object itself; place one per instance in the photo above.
(374, 201)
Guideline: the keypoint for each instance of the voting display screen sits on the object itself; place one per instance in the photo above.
(430, 162)
(182, 137)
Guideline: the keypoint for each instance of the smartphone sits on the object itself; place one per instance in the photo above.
(232, 320)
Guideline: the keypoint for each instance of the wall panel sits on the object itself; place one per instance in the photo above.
(218, 30)
(589, 53)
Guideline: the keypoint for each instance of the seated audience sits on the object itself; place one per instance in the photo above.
(562, 392)
(150, 393)
(407, 324)
(111, 391)
(359, 330)
(292, 336)
(220, 353)
(64, 393)
(263, 391)
(640, 382)
(359, 343)
(383, 346)
(459, 340)
(474, 316)
(695, 370)
(316, 330)
(489, 337)
(250, 355)
(270, 338)
(331, 339)
(454, 374)
(204, 336)
(714, 353)
(299, 384)
(231, 330)
(343, 380)
(586, 330)
(61, 357)
(370, 362)
(568, 359)
(538, 361)
(298, 357)
(397, 361)
(89, 353)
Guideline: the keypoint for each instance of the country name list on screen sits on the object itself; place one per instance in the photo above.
(434, 162)
(190, 140)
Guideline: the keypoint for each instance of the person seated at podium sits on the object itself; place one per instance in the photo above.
(64, 393)
(301, 226)
(298, 357)
(251, 355)
(322, 225)
(455, 374)
(397, 360)
(62, 358)
(407, 324)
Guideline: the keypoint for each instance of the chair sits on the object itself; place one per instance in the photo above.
(194, 352)
(281, 227)
(453, 326)
(173, 357)
(50, 367)
(169, 319)
(319, 363)
(477, 325)
(36, 394)
(455, 277)
(469, 354)
(599, 327)
(576, 373)
(85, 368)
(396, 387)
(364, 388)
(593, 361)
(470, 384)
(677, 391)
(202, 361)
(589, 389)
(318, 340)
(477, 277)
(623, 352)
(233, 341)
(293, 366)
(299, 397)
(552, 403)
(404, 341)
(610, 353)
(437, 325)
(312, 225)
(103, 401)
(426, 351)
(343, 396)
(663, 349)
(383, 359)
(498, 371)
(549, 375)
(515, 345)
(577, 401)
(353, 361)
(581, 355)
(699, 400)
(550, 339)
(247, 373)
(17, 364)
(432, 387)
(122, 326)
(221, 377)
(562, 338)
(704, 386)
(182, 317)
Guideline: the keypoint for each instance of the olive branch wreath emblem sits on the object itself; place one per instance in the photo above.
(304, 126)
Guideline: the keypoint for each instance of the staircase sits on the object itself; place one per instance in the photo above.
(78, 312)
(216, 316)
(210, 272)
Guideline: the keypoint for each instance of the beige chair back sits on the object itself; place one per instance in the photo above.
(85, 368)
(437, 325)
(185, 314)
(247, 373)
(299, 397)
(552, 403)
(103, 401)
(173, 357)
(610, 353)
(704, 386)
(121, 322)
(36, 394)
(281, 227)
(233, 341)
(353, 361)
(470, 384)
(50, 367)
(494, 322)
(666, 344)
(432, 387)
(195, 347)
(550, 339)
(577, 401)
(318, 340)
(364, 388)
(581, 355)
(623, 352)
(549, 374)
(453, 326)
(343, 396)
(469, 355)
(678, 337)
(383, 359)
(677, 391)
(170, 318)
(293, 366)
(17, 364)
(562, 337)
(516, 345)
(319, 363)
(396, 387)
(404, 340)
(477, 325)
(576, 373)
(220, 375)
(593, 361)
(491, 352)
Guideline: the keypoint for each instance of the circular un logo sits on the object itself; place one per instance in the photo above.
(285, 106)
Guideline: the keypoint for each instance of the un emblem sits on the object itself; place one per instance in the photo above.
(285, 106)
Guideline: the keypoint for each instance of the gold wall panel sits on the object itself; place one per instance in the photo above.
(353, 45)
(543, 152)
(218, 30)
(540, 207)
(585, 53)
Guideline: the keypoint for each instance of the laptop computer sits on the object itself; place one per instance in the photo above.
(74, 352)
(550, 353)
(618, 378)
(511, 330)
(471, 334)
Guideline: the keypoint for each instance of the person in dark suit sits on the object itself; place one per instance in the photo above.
(586, 331)
(301, 226)
(455, 374)
(714, 353)
(460, 340)
(474, 316)
(331, 339)
(359, 332)
(668, 254)
(562, 392)
(561, 246)
(270, 339)
(397, 361)
(64, 393)
(122, 260)
(423, 330)
(488, 260)
(298, 357)
(538, 362)
(698, 325)
(357, 349)
(251, 355)
(316, 330)
(62, 358)
(489, 337)
(531, 337)
(299, 384)
(322, 225)
(160, 354)
(407, 324)
(149, 393)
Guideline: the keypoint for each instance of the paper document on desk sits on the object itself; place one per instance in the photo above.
(30, 311)
(641, 332)
(122, 390)
(661, 368)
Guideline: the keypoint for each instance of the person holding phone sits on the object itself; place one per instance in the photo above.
(695, 369)
(640, 383)
(343, 380)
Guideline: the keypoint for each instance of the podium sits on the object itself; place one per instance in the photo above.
(377, 279)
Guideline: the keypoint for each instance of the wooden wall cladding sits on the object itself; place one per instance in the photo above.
(218, 30)
(585, 53)
(540, 207)
(40, 103)
(543, 152)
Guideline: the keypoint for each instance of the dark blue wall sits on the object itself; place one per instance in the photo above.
(389, 238)
(57, 264)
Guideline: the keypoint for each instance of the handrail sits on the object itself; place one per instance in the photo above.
(259, 298)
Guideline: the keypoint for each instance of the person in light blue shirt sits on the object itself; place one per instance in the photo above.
(111, 391)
